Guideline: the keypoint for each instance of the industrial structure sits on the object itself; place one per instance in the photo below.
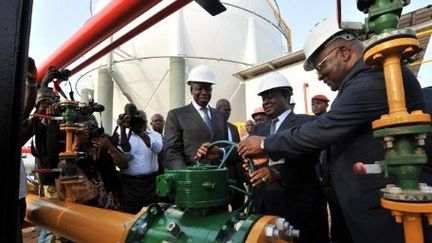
(199, 213)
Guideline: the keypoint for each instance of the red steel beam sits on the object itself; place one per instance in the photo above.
(116, 15)
(168, 10)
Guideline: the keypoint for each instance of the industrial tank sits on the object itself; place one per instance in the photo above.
(246, 33)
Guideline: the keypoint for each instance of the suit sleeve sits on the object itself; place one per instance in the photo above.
(361, 101)
(235, 134)
(173, 152)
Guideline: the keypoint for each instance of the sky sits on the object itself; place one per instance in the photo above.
(54, 21)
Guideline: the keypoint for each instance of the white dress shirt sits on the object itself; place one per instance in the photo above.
(144, 160)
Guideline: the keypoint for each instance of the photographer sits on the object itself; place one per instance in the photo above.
(139, 179)
(99, 164)
(48, 142)
(46, 145)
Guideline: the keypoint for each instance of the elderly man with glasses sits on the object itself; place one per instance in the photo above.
(346, 132)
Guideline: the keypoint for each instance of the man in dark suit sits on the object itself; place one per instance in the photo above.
(189, 126)
(235, 170)
(354, 200)
(288, 187)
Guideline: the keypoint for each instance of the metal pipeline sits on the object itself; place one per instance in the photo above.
(113, 17)
(78, 222)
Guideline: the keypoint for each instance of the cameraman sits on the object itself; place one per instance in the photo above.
(139, 179)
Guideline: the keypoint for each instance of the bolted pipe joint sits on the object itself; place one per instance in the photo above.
(425, 188)
(420, 139)
(388, 142)
(271, 231)
(174, 229)
(284, 226)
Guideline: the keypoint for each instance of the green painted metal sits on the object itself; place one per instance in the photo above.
(69, 112)
(69, 165)
(393, 131)
(198, 187)
(404, 154)
(222, 226)
(383, 15)
(404, 158)
(200, 213)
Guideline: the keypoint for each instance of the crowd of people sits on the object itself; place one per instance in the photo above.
(307, 165)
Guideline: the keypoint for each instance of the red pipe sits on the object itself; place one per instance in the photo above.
(168, 10)
(116, 15)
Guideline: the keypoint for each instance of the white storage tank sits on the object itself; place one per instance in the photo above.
(245, 34)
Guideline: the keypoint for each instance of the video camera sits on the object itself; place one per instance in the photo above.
(63, 74)
(92, 107)
(95, 107)
(130, 117)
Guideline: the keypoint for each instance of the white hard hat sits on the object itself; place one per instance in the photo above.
(321, 33)
(201, 74)
(273, 80)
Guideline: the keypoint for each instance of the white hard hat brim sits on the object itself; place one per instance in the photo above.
(189, 82)
(277, 87)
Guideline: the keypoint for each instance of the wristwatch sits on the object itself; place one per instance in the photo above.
(262, 144)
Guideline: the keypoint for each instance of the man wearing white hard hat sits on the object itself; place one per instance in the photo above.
(289, 190)
(294, 191)
(189, 126)
(354, 200)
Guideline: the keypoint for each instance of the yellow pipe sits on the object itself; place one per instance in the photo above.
(426, 32)
(394, 84)
(413, 228)
(410, 215)
(418, 62)
(77, 222)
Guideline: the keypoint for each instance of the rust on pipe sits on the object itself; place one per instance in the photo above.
(78, 222)
(116, 15)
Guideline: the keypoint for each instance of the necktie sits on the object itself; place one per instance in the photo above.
(207, 119)
(273, 126)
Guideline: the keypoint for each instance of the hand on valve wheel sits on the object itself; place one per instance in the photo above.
(251, 146)
(211, 154)
(263, 176)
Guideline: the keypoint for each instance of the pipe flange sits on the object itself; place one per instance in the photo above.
(390, 35)
(390, 120)
(403, 47)
(397, 194)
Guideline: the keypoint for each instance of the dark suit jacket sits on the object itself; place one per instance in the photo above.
(346, 128)
(298, 196)
(426, 175)
(234, 132)
(185, 131)
(235, 168)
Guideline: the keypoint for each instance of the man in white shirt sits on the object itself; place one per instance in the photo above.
(138, 180)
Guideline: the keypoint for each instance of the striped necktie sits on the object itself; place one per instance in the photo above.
(273, 126)
(207, 119)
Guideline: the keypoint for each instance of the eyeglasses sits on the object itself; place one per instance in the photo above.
(318, 67)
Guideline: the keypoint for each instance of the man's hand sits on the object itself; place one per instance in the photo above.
(211, 154)
(251, 146)
(49, 77)
(258, 160)
(262, 176)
